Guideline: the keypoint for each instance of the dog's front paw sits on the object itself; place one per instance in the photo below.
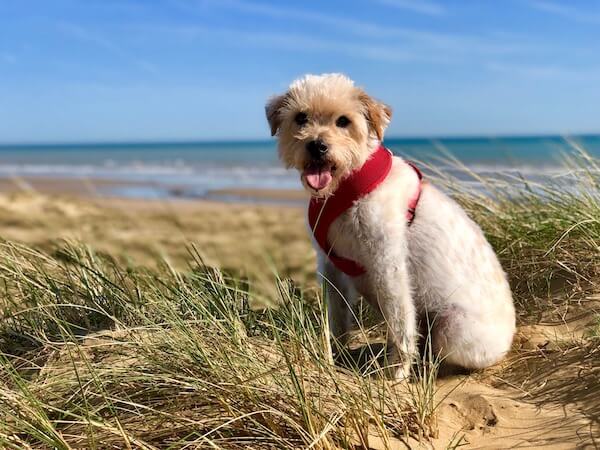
(398, 371)
(401, 373)
(398, 367)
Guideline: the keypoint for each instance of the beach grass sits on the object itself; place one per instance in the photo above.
(547, 235)
(98, 356)
(98, 352)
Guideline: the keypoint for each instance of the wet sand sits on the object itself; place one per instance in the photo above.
(98, 187)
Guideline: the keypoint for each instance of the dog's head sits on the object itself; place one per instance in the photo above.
(327, 128)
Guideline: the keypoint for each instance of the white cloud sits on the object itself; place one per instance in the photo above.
(353, 26)
(88, 36)
(577, 15)
(409, 39)
(421, 7)
(298, 43)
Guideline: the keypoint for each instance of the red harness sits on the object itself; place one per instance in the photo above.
(322, 213)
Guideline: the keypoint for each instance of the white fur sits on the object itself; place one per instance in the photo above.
(441, 266)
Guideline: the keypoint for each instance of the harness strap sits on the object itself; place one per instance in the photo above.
(322, 213)
(412, 204)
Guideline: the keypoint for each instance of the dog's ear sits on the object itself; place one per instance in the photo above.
(273, 111)
(378, 114)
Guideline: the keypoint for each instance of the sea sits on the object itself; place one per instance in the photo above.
(204, 169)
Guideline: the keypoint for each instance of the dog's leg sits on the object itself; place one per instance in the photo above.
(393, 295)
(341, 297)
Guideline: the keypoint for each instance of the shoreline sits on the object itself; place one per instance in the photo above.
(140, 191)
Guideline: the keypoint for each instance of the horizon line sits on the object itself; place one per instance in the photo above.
(162, 141)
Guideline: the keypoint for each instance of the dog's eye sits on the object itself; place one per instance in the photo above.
(342, 122)
(301, 119)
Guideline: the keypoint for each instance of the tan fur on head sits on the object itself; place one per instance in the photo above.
(273, 108)
(324, 99)
(377, 113)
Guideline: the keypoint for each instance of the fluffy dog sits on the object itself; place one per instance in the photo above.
(436, 267)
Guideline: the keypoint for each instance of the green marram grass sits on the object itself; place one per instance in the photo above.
(547, 236)
(95, 354)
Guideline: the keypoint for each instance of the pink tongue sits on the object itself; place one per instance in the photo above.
(318, 178)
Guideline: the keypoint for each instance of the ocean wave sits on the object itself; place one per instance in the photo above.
(179, 166)
(197, 180)
(136, 169)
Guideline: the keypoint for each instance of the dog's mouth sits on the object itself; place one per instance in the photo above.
(318, 175)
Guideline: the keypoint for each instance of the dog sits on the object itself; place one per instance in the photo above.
(406, 247)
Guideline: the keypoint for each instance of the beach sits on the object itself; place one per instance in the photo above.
(159, 282)
(544, 394)
(259, 240)
(263, 242)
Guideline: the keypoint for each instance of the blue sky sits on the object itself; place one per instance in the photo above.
(88, 70)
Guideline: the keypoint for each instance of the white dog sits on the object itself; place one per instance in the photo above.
(382, 232)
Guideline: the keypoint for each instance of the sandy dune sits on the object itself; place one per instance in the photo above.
(545, 395)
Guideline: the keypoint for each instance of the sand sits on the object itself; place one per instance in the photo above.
(80, 187)
(258, 241)
(546, 394)
(282, 195)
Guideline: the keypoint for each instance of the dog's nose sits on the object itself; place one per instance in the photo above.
(317, 148)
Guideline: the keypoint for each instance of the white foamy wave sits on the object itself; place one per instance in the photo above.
(198, 180)
(136, 169)
(493, 169)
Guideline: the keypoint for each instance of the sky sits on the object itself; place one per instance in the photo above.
(125, 70)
